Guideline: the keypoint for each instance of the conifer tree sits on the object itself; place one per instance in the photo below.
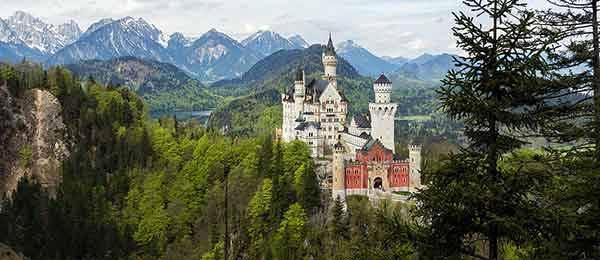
(576, 123)
(499, 89)
(310, 189)
(338, 225)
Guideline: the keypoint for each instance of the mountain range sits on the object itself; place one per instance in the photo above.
(163, 86)
(211, 57)
(427, 67)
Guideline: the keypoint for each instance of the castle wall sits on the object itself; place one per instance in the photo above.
(382, 122)
(357, 177)
(398, 175)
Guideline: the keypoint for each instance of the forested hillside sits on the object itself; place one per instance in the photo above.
(161, 85)
(134, 188)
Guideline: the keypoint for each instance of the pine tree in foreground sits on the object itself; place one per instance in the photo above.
(577, 124)
(499, 90)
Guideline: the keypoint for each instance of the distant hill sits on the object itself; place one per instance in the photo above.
(426, 67)
(277, 70)
(399, 61)
(364, 61)
(163, 86)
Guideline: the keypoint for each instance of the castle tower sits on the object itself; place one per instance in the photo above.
(338, 187)
(330, 62)
(383, 113)
(414, 155)
(299, 90)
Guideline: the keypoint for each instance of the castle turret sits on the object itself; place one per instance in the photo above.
(338, 188)
(414, 155)
(330, 61)
(299, 90)
(383, 113)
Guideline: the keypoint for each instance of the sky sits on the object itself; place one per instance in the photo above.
(405, 28)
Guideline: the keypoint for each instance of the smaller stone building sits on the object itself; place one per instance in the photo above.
(374, 171)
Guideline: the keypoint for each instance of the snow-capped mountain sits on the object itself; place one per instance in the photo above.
(7, 35)
(299, 41)
(124, 37)
(97, 25)
(47, 38)
(267, 42)
(214, 56)
(364, 61)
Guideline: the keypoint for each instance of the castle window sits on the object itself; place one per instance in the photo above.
(310, 134)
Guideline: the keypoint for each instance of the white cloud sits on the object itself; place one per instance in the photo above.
(387, 27)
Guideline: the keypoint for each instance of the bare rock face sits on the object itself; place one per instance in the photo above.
(7, 253)
(33, 138)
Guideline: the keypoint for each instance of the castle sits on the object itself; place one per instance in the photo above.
(364, 160)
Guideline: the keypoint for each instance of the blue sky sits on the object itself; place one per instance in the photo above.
(386, 27)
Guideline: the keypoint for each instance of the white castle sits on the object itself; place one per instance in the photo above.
(315, 112)
(364, 160)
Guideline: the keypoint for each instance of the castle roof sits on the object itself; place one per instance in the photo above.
(329, 49)
(382, 80)
(316, 87)
(362, 121)
(373, 143)
(364, 135)
(304, 125)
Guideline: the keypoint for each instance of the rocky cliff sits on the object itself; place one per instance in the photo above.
(7, 253)
(33, 139)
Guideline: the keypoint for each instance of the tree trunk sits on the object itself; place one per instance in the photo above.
(493, 141)
(596, 79)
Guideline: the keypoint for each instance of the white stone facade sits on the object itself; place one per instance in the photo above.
(315, 111)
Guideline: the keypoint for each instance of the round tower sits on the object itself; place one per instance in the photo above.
(414, 157)
(383, 113)
(338, 187)
(299, 90)
(330, 61)
(383, 90)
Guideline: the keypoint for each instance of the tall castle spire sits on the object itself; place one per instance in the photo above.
(330, 61)
(330, 50)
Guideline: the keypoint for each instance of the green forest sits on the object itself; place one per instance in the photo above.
(135, 187)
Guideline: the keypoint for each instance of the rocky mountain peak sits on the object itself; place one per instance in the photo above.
(299, 41)
(37, 34)
(266, 42)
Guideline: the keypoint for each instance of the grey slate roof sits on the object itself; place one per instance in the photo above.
(362, 121)
(372, 142)
(364, 135)
(329, 49)
(305, 125)
(382, 80)
(316, 87)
